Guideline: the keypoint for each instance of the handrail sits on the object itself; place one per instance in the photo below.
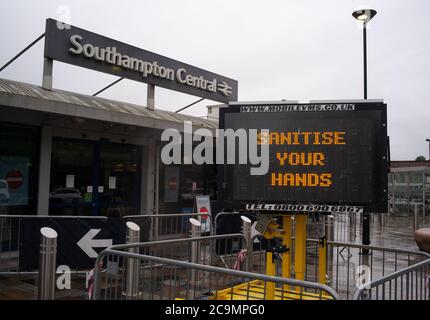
(391, 276)
(363, 246)
(49, 216)
(249, 275)
(169, 215)
(170, 241)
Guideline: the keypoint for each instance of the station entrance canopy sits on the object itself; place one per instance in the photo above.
(86, 49)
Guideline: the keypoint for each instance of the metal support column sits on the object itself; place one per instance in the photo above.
(47, 263)
(415, 219)
(287, 242)
(365, 60)
(246, 231)
(424, 198)
(195, 256)
(132, 285)
(322, 260)
(47, 73)
(44, 170)
(366, 230)
(270, 271)
(150, 97)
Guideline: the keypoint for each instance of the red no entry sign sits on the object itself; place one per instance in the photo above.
(14, 179)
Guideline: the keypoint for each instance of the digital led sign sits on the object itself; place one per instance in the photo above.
(323, 157)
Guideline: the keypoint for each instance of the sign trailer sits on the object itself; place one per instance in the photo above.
(323, 157)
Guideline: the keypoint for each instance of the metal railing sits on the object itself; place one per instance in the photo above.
(345, 263)
(410, 283)
(169, 226)
(392, 273)
(337, 227)
(161, 275)
(153, 227)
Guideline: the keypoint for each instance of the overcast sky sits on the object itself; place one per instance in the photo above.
(287, 49)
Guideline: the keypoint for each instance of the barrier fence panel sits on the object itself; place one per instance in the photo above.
(9, 243)
(19, 244)
(338, 227)
(152, 226)
(411, 283)
(20, 232)
(161, 276)
(347, 267)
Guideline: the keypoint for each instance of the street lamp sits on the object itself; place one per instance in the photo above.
(428, 140)
(364, 15)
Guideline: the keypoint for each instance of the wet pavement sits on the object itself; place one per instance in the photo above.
(395, 232)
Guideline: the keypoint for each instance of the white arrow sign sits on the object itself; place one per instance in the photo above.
(87, 243)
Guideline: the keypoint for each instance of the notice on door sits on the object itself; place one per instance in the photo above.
(202, 204)
(70, 181)
(112, 182)
(171, 184)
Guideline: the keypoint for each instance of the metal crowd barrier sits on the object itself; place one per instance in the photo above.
(337, 227)
(392, 273)
(410, 283)
(153, 227)
(164, 273)
(347, 264)
(10, 243)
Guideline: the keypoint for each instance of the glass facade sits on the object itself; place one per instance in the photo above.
(91, 177)
(409, 185)
(94, 178)
(19, 166)
(178, 184)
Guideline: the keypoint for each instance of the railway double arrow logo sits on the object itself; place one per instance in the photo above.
(224, 88)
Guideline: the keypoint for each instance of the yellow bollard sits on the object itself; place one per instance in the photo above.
(270, 271)
(322, 260)
(286, 241)
(300, 247)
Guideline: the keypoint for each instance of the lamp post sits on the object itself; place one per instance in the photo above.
(365, 15)
(428, 140)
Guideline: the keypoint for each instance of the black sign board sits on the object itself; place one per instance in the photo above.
(78, 243)
(90, 50)
(323, 157)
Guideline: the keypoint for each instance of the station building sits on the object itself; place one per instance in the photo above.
(64, 153)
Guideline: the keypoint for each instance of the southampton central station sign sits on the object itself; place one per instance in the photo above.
(89, 50)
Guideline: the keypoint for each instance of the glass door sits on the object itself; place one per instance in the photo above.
(71, 185)
(94, 178)
(119, 180)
